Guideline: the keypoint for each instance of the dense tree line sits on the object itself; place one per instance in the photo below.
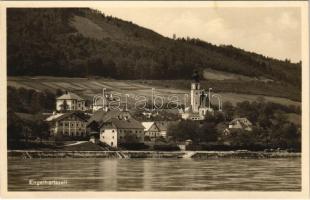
(24, 117)
(271, 127)
(44, 42)
(30, 101)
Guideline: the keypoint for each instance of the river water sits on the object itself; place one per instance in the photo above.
(85, 174)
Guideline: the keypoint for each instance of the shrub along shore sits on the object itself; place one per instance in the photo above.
(30, 154)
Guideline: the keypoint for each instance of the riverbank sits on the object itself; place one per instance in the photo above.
(149, 154)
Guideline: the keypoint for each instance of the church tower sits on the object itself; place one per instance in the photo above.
(195, 96)
(195, 93)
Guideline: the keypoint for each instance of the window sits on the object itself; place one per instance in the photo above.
(112, 137)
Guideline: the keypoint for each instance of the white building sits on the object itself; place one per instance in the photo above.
(71, 124)
(116, 127)
(115, 132)
(70, 101)
(238, 124)
(198, 109)
(151, 131)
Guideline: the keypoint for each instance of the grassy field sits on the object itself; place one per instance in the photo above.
(88, 87)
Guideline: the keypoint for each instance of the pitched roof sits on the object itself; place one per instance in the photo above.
(240, 119)
(69, 96)
(60, 116)
(54, 117)
(124, 124)
(163, 125)
(147, 125)
(101, 116)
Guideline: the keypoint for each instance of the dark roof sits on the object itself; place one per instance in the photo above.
(123, 124)
(102, 116)
(61, 116)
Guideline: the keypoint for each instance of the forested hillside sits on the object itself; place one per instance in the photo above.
(84, 42)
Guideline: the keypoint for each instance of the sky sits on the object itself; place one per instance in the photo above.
(273, 32)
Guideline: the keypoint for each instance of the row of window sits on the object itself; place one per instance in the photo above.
(72, 124)
(78, 133)
(121, 137)
(125, 131)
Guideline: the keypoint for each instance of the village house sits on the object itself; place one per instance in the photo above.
(115, 132)
(116, 127)
(70, 101)
(163, 127)
(151, 131)
(72, 124)
(239, 124)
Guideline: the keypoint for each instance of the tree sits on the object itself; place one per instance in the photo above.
(183, 130)
(206, 133)
(41, 129)
(15, 125)
(228, 109)
(59, 92)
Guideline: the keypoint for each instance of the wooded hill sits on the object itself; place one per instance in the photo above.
(81, 42)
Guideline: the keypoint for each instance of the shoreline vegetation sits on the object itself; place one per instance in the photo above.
(242, 154)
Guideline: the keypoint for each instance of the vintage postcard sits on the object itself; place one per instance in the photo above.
(155, 99)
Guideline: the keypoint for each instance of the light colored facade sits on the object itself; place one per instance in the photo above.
(239, 124)
(67, 124)
(195, 97)
(151, 130)
(109, 136)
(198, 109)
(116, 127)
(70, 101)
(121, 131)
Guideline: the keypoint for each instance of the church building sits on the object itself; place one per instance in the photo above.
(198, 109)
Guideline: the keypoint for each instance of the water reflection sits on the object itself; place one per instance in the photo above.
(157, 174)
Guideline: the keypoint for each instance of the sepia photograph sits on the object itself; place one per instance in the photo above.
(155, 97)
